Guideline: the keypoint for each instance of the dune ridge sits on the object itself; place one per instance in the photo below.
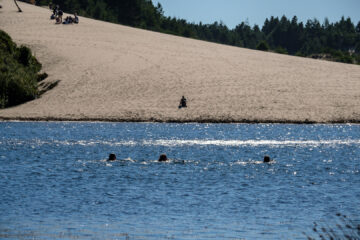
(110, 72)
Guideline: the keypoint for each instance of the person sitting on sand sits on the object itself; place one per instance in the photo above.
(76, 18)
(112, 157)
(60, 14)
(163, 158)
(55, 10)
(68, 20)
(58, 20)
(183, 102)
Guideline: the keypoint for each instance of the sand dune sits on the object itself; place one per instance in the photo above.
(117, 73)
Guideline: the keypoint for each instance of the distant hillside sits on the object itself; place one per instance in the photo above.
(339, 41)
(112, 72)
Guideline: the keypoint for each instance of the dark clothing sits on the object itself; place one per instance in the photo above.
(183, 102)
(68, 20)
(55, 10)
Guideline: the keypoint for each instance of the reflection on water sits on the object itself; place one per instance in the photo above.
(56, 182)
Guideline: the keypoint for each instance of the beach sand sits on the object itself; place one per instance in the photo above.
(111, 72)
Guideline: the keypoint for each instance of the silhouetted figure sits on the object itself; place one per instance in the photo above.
(58, 20)
(183, 102)
(60, 14)
(68, 20)
(163, 158)
(267, 159)
(76, 18)
(112, 157)
(55, 10)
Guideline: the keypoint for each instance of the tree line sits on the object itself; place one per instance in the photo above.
(339, 41)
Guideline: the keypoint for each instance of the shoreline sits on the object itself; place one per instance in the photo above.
(200, 121)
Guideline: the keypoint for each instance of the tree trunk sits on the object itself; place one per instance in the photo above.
(19, 9)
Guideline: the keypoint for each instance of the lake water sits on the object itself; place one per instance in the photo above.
(55, 182)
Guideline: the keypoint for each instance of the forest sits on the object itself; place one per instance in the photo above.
(339, 41)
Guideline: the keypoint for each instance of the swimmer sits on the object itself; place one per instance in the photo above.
(112, 157)
(163, 158)
(267, 159)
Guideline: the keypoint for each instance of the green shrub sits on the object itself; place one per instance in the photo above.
(19, 73)
(263, 46)
(300, 54)
(6, 44)
(24, 56)
(340, 56)
(346, 59)
(281, 50)
(357, 58)
(337, 54)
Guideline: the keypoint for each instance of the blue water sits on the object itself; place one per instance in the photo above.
(55, 182)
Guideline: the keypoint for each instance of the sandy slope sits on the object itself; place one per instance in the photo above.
(113, 72)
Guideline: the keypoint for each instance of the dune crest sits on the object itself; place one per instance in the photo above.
(111, 72)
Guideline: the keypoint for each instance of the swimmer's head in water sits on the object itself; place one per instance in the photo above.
(112, 157)
(267, 159)
(163, 158)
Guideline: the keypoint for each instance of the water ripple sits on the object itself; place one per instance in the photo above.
(180, 142)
